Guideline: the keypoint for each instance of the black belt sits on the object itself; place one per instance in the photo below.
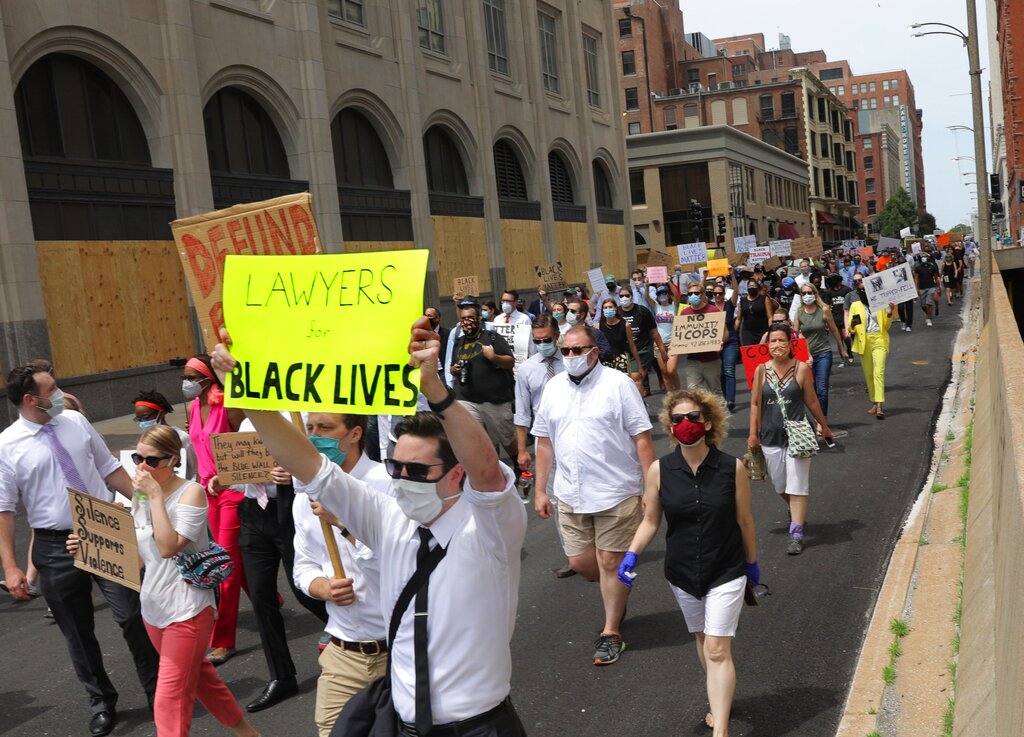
(367, 647)
(61, 534)
(456, 729)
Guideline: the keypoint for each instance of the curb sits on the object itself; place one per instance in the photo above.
(866, 699)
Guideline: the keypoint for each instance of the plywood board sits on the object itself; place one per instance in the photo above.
(460, 248)
(522, 243)
(573, 248)
(612, 239)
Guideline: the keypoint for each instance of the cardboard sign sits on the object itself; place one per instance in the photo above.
(718, 267)
(324, 333)
(659, 258)
(942, 241)
(906, 232)
(692, 253)
(771, 264)
(108, 547)
(697, 333)
(744, 243)
(754, 355)
(781, 248)
(241, 458)
(596, 279)
(552, 277)
(281, 226)
(466, 286)
(807, 248)
(518, 338)
(735, 259)
(657, 274)
(852, 246)
(866, 254)
(891, 286)
(758, 255)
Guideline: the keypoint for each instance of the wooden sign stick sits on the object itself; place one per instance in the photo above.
(325, 526)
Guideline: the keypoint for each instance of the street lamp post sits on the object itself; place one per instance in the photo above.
(970, 40)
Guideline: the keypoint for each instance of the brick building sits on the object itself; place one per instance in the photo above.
(1010, 30)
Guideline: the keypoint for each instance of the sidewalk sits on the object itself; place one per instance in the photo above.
(903, 684)
(122, 432)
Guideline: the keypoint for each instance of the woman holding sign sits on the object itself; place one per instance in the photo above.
(170, 518)
(870, 333)
(208, 415)
(814, 321)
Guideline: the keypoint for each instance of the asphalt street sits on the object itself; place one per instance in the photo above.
(795, 655)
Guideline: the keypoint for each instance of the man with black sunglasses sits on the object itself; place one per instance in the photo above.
(451, 492)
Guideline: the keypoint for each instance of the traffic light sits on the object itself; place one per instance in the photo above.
(696, 219)
(721, 224)
(995, 207)
(993, 184)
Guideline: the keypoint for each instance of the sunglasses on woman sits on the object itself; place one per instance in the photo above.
(576, 350)
(151, 461)
(414, 471)
(691, 416)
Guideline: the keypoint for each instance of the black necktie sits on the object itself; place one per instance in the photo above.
(424, 716)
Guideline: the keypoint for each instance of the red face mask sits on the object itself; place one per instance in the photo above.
(689, 432)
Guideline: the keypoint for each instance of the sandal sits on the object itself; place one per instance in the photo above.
(873, 411)
(880, 415)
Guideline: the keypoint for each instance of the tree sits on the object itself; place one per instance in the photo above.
(927, 223)
(899, 212)
(961, 229)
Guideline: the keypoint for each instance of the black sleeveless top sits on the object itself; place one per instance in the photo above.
(704, 544)
(755, 319)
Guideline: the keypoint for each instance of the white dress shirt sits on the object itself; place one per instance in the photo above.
(473, 593)
(530, 381)
(594, 472)
(513, 318)
(29, 468)
(362, 621)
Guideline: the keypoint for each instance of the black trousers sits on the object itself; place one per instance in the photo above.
(906, 312)
(502, 721)
(266, 540)
(68, 593)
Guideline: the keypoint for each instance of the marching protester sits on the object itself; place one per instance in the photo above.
(170, 520)
(664, 308)
(208, 416)
(711, 544)
(835, 296)
(151, 409)
(510, 313)
(926, 273)
(357, 652)
(598, 481)
(455, 509)
(558, 313)
(731, 348)
(645, 336)
(782, 397)
(755, 308)
(814, 322)
(42, 453)
(703, 370)
(870, 331)
(951, 276)
(620, 338)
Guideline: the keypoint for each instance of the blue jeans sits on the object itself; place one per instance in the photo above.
(730, 357)
(821, 366)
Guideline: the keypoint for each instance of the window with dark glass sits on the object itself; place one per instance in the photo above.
(497, 36)
(350, 10)
(790, 140)
(869, 163)
(632, 99)
(360, 159)
(547, 28)
(788, 104)
(511, 183)
(767, 107)
(625, 27)
(430, 24)
(637, 190)
(561, 182)
(240, 136)
(692, 75)
(445, 170)
(602, 188)
(591, 65)
(628, 63)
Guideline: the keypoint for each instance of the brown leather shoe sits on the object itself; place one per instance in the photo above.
(565, 571)
(220, 655)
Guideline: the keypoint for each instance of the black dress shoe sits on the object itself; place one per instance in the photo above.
(274, 692)
(102, 723)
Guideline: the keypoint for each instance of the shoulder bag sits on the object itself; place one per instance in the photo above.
(801, 442)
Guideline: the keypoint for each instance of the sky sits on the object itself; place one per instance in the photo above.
(873, 36)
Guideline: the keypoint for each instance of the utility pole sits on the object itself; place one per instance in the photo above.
(980, 158)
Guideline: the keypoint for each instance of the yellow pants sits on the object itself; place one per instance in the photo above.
(342, 674)
(872, 360)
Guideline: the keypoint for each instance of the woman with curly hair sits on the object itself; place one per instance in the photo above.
(711, 546)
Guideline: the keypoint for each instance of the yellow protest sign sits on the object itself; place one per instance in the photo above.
(108, 546)
(324, 333)
(718, 267)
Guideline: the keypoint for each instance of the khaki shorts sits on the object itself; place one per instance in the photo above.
(611, 530)
(496, 419)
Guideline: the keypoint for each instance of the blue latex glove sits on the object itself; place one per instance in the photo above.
(626, 573)
(753, 573)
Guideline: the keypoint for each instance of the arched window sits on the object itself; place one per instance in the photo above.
(241, 138)
(602, 189)
(360, 159)
(508, 173)
(445, 171)
(87, 160)
(638, 239)
(561, 182)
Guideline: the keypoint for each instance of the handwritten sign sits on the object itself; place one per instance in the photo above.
(744, 243)
(718, 267)
(466, 285)
(758, 255)
(915, 247)
(324, 333)
(692, 253)
(781, 248)
(518, 338)
(281, 226)
(891, 286)
(754, 355)
(108, 546)
(552, 277)
(697, 333)
(657, 274)
(596, 278)
(241, 458)
(906, 232)
(659, 258)
(807, 248)
(852, 246)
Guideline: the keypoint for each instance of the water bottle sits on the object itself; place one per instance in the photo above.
(142, 513)
(525, 484)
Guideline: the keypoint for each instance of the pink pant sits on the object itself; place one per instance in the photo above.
(185, 675)
(224, 525)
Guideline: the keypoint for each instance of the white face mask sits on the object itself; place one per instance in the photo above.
(191, 389)
(577, 365)
(571, 317)
(507, 307)
(625, 301)
(808, 299)
(419, 500)
(56, 403)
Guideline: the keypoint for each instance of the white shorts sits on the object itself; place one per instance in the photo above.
(789, 475)
(718, 613)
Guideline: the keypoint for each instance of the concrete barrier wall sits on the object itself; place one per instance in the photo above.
(991, 669)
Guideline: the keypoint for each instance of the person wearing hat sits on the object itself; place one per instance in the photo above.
(664, 308)
(610, 290)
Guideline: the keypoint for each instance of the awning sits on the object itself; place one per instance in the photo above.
(787, 231)
(824, 217)
(857, 224)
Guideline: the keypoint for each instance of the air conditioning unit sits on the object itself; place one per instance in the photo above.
(675, 92)
(696, 87)
(725, 85)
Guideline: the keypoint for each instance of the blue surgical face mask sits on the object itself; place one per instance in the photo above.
(329, 447)
(610, 312)
(572, 318)
(559, 316)
(546, 349)
(148, 424)
(693, 300)
(485, 314)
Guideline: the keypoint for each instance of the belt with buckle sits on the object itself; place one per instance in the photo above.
(59, 534)
(366, 647)
(457, 729)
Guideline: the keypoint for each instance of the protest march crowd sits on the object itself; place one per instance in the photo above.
(403, 534)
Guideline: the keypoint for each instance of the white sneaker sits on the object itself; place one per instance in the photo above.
(928, 322)
(909, 329)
